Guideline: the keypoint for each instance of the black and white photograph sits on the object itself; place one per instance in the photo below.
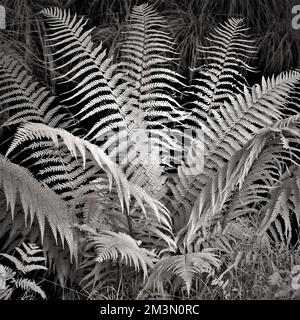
(149, 152)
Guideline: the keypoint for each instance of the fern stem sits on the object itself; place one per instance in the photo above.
(130, 229)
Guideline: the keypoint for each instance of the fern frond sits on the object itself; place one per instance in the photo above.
(37, 200)
(77, 145)
(30, 285)
(31, 250)
(31, 131)
(29, 101)
(153, 234)
(112, 246)
(90, 70)
(145, 62)
(14, 280)
(227, 54)
(21, 267)
(284, 199)
(250, 173)
(234, 126)
(186, 267)
(26, 100)
(153, 112)
(56, 167)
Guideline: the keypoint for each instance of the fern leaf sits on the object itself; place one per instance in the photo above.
(234, 126)
(77, 145)
(287, 190)
(145, 64)
(97, 88)
(111, 245)
(210, 206)
(227, 54)
(37, 201)
(28, 100)
(185, 266)
(30, 285)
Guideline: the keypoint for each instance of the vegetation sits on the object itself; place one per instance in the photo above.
(190, 21)
(137, 182)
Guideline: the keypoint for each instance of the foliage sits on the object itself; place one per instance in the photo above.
(159, 188)
(190, 22)
(12, 279)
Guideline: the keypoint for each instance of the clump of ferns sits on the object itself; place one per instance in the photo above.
(115, 255)
(248, 146)
(113, 259)
(16, 281)
(273, 162)
(117, 260)
(238, 125)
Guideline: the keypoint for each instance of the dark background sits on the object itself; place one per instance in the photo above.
(190, 20)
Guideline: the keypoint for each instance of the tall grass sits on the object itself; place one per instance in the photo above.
(25, 34)
(190, 21)
(270, 23)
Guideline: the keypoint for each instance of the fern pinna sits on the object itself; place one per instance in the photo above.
(90, 167)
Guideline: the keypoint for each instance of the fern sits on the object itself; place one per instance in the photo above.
(228, 118)
(235, 124)
(106, 90)
(97, 159)
(92, 72)
(115, 254)
(110, 245)
(221, 77)
(283, 200)
(236, 189)
(12, 280)
(73, 143)
(32, 101)
(186, 267)
(154, 113)
(144, 63)
(31, 131)
(37, 201)
(27, 101)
